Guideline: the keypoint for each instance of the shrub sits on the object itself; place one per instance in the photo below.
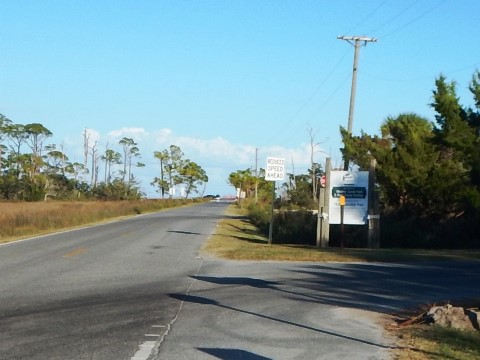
(294, 227)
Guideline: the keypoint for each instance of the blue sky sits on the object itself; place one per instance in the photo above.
(223, 78)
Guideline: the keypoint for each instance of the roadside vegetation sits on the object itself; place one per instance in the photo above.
(237, 238)
(427, 180)
(22, 219)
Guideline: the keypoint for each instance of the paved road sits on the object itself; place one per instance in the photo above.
(137, 289)
(96, 293)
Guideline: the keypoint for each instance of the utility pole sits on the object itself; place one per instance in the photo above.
(356, 41)
(324, 203)
(256, 175)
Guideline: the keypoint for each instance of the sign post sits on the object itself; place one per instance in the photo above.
(342, 201)
(325, 206)
(270, 228)
(275, 170)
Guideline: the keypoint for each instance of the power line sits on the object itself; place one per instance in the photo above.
(415, 19)
(394, 17)
(340, 85)
(366, 17)
(310, 98)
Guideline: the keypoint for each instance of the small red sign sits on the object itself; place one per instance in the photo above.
(323, 180)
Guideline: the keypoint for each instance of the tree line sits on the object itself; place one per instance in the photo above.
(32, 169)
(428, 172)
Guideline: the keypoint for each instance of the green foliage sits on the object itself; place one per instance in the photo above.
(259, 215)
(299, 191)
(243, 180)
(117, 190)
(428, 173)
(412, 169)
(175, 170)
(192, 176)
(248, 183)
(289, 227)
(10, 186)
(161, 182)
(294, 227)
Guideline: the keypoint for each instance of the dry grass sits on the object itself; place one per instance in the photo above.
(21, 219)
(424, 342)
(236, 239)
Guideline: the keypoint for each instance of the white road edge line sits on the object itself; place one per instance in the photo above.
(145, 351)
(150, 348)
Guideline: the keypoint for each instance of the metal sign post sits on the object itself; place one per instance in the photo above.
(342, 213)
(275, 170)
(270, 229)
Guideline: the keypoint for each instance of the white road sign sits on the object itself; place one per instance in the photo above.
(354, 186)
(275, 169)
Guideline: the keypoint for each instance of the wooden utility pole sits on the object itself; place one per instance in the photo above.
(356, 41)
(256, 175)
(373, 210)
(321, 204)
(323, 209)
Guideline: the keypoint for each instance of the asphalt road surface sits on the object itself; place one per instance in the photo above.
(137, 289)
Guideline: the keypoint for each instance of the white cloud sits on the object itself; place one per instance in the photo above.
(162, 136)
(92, 135)
(128, 132)
(219, 151)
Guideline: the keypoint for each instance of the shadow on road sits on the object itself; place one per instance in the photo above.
(232, 354)
(183, 232)
(382, 288)
(389, 288)
(205, 301)
(378, 287)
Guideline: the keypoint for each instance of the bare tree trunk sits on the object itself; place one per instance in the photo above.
(313, 145)
(94, 158)
(86, 139)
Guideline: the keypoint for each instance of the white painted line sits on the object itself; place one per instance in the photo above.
(145, 350)
(149, 347)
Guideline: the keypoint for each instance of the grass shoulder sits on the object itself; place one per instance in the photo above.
(237, 239)
(424, 342)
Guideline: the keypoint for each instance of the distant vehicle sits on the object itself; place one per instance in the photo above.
(212, 197)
